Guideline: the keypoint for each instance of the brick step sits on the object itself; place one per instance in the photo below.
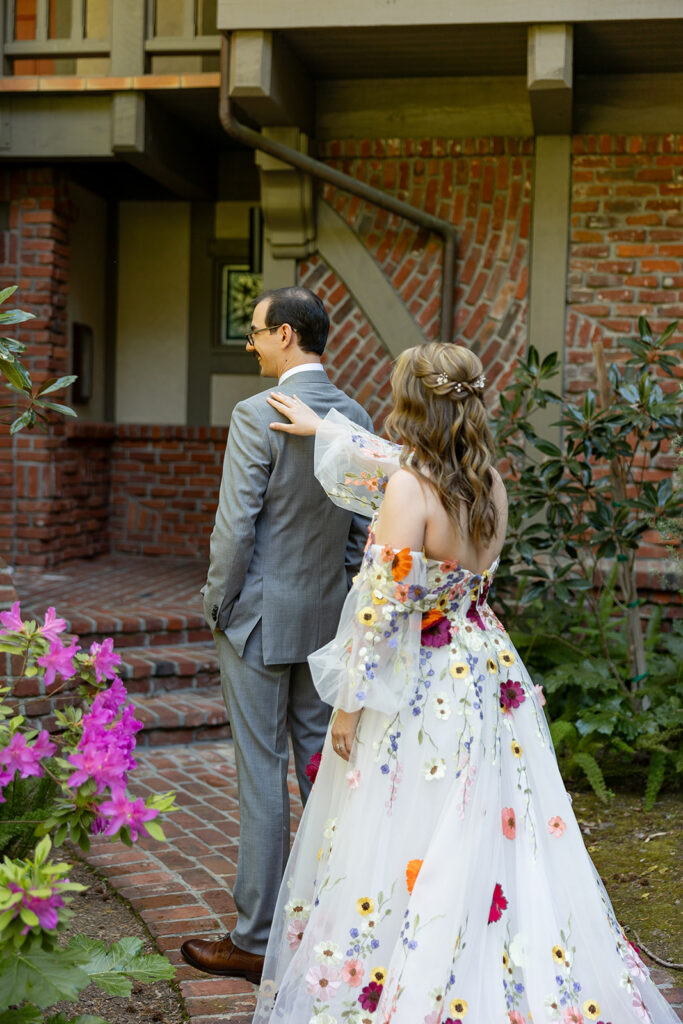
(137, 625)
(161, 668)
(181, 716)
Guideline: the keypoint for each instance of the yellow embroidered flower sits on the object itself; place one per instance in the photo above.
(320, 853)
(491, 666)
(378, 597)
(365, 906)
(591, 1009)
(507, 657)
(459, 669)
(378, 974)
(367, 616)
(558, 954)
(505, 959)
(516, 748)
(443, 602)
(458, 1008)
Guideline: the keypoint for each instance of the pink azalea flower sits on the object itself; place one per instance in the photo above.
(19, 757)
(11, 620)
(352, 973)
(44, 907)
(295, 933)
(572, 1015)
(313, 767)
(516, 1017)
(353, 778)
(106, 765)
(498, 904)
(105, 659)
(52, 626)
(125, 812)
(322, 981)
(369, 997)
(60, 660)
(511, 695)
(556, 826)
(113, 698)
(509, 823)
(540, 694)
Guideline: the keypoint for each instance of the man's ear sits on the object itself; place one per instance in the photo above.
(288, 337)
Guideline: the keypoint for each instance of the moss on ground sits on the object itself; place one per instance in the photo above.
(638, 855)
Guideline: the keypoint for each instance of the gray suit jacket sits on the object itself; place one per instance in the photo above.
(281, 551)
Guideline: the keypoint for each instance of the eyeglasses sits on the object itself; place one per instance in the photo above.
(250, 336)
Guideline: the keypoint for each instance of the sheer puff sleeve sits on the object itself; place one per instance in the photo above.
(373, 659)
(352, 464)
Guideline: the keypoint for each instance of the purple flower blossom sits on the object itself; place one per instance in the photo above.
(105, 659)
(369, 997)
(438, 634)
(123, 811)
(114, 697)
(511, 695)
(60, 660)
(18, 756)
(52, 626)
(44, 907)
(11, 620)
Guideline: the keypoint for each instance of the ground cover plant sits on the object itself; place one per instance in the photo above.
(578, 513)
(68, 784)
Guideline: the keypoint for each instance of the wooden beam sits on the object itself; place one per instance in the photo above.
(128, 37)
(267, 81)
(159, 145)
(550, 77)
(274, 14)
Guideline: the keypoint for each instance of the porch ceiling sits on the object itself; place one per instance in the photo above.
(606, 47)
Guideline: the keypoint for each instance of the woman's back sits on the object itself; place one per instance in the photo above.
(413, 516)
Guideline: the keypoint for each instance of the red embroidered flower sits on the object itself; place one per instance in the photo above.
(369, 997)
(511, 695)
(313, 766)
(498, 904)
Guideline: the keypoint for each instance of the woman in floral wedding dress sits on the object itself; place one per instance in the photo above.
(438, 875)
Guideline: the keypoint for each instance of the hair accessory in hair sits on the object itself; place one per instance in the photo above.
(442, 379)
(480, 382)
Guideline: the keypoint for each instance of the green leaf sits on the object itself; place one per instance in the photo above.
(593, 773)
(155, 830)
(108, 967)
(25, 420)
(56, 407)
(40, 977)
(55, 383)
(25, 1015)
(15, 316)
(547, 447)
(6, 292)
(655, 777)
(16, 374)
(83, 1018)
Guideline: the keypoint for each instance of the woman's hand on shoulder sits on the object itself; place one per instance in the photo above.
(403, 515)
(302, 420)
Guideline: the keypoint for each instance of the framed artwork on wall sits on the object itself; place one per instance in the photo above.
(238, 289)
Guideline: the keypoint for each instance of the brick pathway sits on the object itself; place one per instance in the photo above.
(182, 888)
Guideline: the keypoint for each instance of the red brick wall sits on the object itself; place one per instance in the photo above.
(165, 483)
(626, 252)
(35, 255)
(483, 187)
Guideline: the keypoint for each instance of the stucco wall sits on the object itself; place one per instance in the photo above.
(152, 317)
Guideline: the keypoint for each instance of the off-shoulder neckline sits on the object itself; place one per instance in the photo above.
(447, 561)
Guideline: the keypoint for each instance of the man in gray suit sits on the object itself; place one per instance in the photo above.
(282, 557)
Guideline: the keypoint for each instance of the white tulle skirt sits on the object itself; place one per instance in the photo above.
(440, 875)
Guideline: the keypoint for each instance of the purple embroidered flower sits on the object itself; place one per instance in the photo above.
(369, 997)
(474, 616)
(511, 695)
(437, 633)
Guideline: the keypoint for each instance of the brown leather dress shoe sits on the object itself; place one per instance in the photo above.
(222, 957)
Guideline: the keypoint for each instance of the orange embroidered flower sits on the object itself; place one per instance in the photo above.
(401, 564)
(412, 871)
(432, 617)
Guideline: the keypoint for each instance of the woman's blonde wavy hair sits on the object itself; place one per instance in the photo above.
(440, 417)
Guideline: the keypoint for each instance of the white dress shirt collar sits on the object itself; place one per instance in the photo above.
(303, 368)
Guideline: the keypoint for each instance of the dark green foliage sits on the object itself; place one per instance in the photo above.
(27, 801)
(579, 506)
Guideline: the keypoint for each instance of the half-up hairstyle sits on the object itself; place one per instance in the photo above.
(440, 417)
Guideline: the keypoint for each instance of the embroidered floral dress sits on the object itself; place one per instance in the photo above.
(439, 876)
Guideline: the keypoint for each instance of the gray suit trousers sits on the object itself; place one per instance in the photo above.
(259, 698)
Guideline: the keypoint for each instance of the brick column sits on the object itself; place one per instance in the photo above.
(36, 258)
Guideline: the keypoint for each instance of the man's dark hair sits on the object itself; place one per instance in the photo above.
(303, 311)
